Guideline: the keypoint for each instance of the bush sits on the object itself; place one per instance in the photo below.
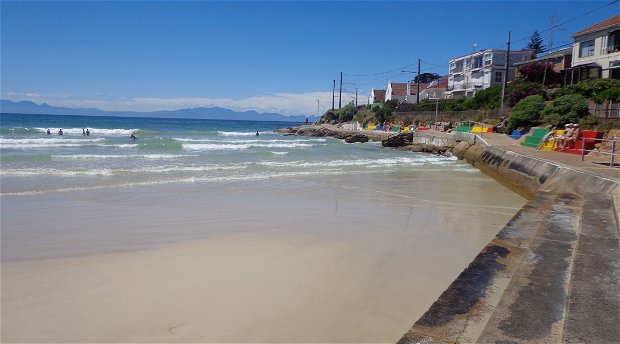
(489, 98)
(525, 112)
(590, 89)
(566, 109)
(597, 123)
(520, 90)
(536, 73)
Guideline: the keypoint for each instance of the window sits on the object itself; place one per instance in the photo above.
(613, 42)
(558, 60)
(477, 62)
(586, 48)
(468, 63)
(498, 77)
(459, 66)
(488, 57)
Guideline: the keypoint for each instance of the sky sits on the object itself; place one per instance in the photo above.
(267, 56)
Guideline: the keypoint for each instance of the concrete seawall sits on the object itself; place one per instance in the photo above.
(551, 275)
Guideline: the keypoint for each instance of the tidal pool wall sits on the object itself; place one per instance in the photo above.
(552, 274)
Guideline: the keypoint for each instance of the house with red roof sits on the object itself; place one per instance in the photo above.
(396, 91)
(435, 89)
(377, 96)
(596, 52)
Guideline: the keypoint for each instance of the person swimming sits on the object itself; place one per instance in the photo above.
(49, 132)
(133, 137)
(60, 132)
(87, 132)
(257, 133)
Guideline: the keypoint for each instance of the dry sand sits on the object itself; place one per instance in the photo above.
(275, 261)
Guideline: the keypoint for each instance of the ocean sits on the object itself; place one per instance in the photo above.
(201, 231)
(176, 151)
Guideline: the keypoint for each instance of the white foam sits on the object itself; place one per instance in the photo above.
(236, 133)
(279, 153)
(93, 131)
(119, 156)
(207, 147)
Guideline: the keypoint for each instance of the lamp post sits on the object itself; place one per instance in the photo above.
(436, 111)
(318, 102)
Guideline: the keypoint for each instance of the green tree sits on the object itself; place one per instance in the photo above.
(566, 109)
(527, 111)
(536, 44)
(426, 77)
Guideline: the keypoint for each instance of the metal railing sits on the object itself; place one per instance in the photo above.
(615, 145)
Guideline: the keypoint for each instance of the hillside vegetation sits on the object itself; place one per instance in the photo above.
(528, 102)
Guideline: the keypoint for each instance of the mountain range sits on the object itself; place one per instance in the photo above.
(28, 107)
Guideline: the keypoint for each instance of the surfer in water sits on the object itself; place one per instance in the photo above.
(133, 137)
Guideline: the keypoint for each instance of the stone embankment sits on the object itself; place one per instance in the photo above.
(551, 275)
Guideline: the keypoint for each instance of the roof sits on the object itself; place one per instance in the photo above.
(615, 20)
(379, 95)
(477, 53)
(551, 55)
(399, 89)
(441, 83)
(414, 87)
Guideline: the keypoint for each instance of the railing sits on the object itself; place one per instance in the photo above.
(614, 147)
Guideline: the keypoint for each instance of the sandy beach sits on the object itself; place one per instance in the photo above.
(353, 258)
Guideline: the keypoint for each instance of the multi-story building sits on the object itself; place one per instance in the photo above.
(596, 52)
(481, 70)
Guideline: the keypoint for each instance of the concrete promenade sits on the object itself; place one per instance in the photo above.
(552, 274)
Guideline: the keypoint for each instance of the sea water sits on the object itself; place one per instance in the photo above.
(176, 151)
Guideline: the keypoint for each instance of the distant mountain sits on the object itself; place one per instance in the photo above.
(28, 107)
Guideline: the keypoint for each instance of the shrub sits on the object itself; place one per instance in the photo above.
(538, 72)
(525, 112)
(520, 90)
(489, 98)
(590, 89)
(566, 109)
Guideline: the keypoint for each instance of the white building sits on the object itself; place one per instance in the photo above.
(396, 91)
(596, 52)
(481, 70)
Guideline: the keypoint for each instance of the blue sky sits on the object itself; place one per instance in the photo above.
(266, 56)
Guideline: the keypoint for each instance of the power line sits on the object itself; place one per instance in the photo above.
(436, 66)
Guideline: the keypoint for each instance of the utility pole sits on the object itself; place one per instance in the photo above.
(333, 90)
(340, 97)
(356, 97)
(418, 95)
(506, 72)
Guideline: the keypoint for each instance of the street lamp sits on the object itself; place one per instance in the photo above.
(317, 107)
(436, 111)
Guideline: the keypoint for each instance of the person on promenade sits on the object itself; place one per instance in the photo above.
(548, 136)
(570, 140)
(559, 140)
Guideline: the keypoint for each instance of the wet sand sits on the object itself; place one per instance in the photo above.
(349, 258)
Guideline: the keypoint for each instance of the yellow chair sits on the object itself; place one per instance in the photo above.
(372, 127)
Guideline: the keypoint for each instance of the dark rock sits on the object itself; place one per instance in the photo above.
(398, 140)
(356, 138)
(460, 149)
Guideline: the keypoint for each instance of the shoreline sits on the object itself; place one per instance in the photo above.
(552, 274)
